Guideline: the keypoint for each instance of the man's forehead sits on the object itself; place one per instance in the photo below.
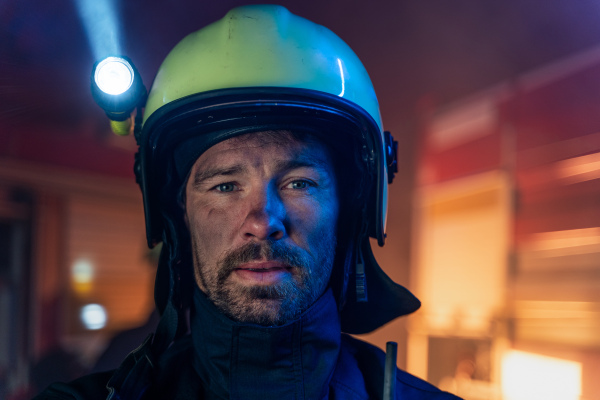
(288, 145)
(282, 138)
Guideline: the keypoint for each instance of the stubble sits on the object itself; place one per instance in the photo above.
(268, 305)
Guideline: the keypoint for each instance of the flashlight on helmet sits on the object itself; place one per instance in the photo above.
(118, 89)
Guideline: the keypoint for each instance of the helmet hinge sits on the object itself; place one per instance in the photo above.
(391, 155)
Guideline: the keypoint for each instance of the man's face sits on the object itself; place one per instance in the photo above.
(262, 212)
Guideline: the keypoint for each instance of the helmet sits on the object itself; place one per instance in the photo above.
(264, 68)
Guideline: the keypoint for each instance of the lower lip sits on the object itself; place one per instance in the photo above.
(262, 276)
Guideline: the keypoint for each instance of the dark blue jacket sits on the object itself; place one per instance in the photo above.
(306, 359)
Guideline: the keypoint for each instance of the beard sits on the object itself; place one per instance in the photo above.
(273, 304)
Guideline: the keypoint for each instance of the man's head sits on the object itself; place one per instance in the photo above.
(262, 212)
(240, 100)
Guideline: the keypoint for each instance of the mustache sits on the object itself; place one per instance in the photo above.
(268, 251)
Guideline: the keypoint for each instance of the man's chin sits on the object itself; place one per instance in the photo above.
(267, 305)
(260, 311)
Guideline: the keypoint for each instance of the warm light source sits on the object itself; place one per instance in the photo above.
(579, 169)
(528, 376)
(82, 276)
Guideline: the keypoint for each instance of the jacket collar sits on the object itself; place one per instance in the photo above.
(236, 360)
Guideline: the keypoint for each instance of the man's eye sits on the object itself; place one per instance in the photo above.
(299, 184)
(225, 187)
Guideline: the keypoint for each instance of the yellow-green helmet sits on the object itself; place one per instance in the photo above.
(268, 46)
(264, 68)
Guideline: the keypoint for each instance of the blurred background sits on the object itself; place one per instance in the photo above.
(494, 217)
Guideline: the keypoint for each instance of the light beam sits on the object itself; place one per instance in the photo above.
(101, 24)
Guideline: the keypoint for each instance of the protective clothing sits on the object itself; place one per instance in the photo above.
(306, 359)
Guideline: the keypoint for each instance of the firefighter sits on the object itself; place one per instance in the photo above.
(264, 171)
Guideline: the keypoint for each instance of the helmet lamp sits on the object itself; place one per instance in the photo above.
(117, 87)
(113, 75)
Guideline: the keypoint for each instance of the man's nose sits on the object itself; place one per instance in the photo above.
(265, 217)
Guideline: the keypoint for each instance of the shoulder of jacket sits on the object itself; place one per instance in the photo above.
(88, 387)
(371, 361)
(93, 386)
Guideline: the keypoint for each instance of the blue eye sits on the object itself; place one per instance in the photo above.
(225, 187)
(299, 184)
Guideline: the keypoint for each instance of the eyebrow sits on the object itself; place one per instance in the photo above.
(304, 162)
(204, 175)
(285, 165)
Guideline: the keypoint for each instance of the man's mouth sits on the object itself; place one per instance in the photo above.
(263, 272)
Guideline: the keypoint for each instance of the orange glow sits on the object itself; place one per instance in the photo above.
(579, 169)
(527, 376)
(82, 276)
(564, 239)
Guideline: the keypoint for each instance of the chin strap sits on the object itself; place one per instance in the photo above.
(360, 276)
